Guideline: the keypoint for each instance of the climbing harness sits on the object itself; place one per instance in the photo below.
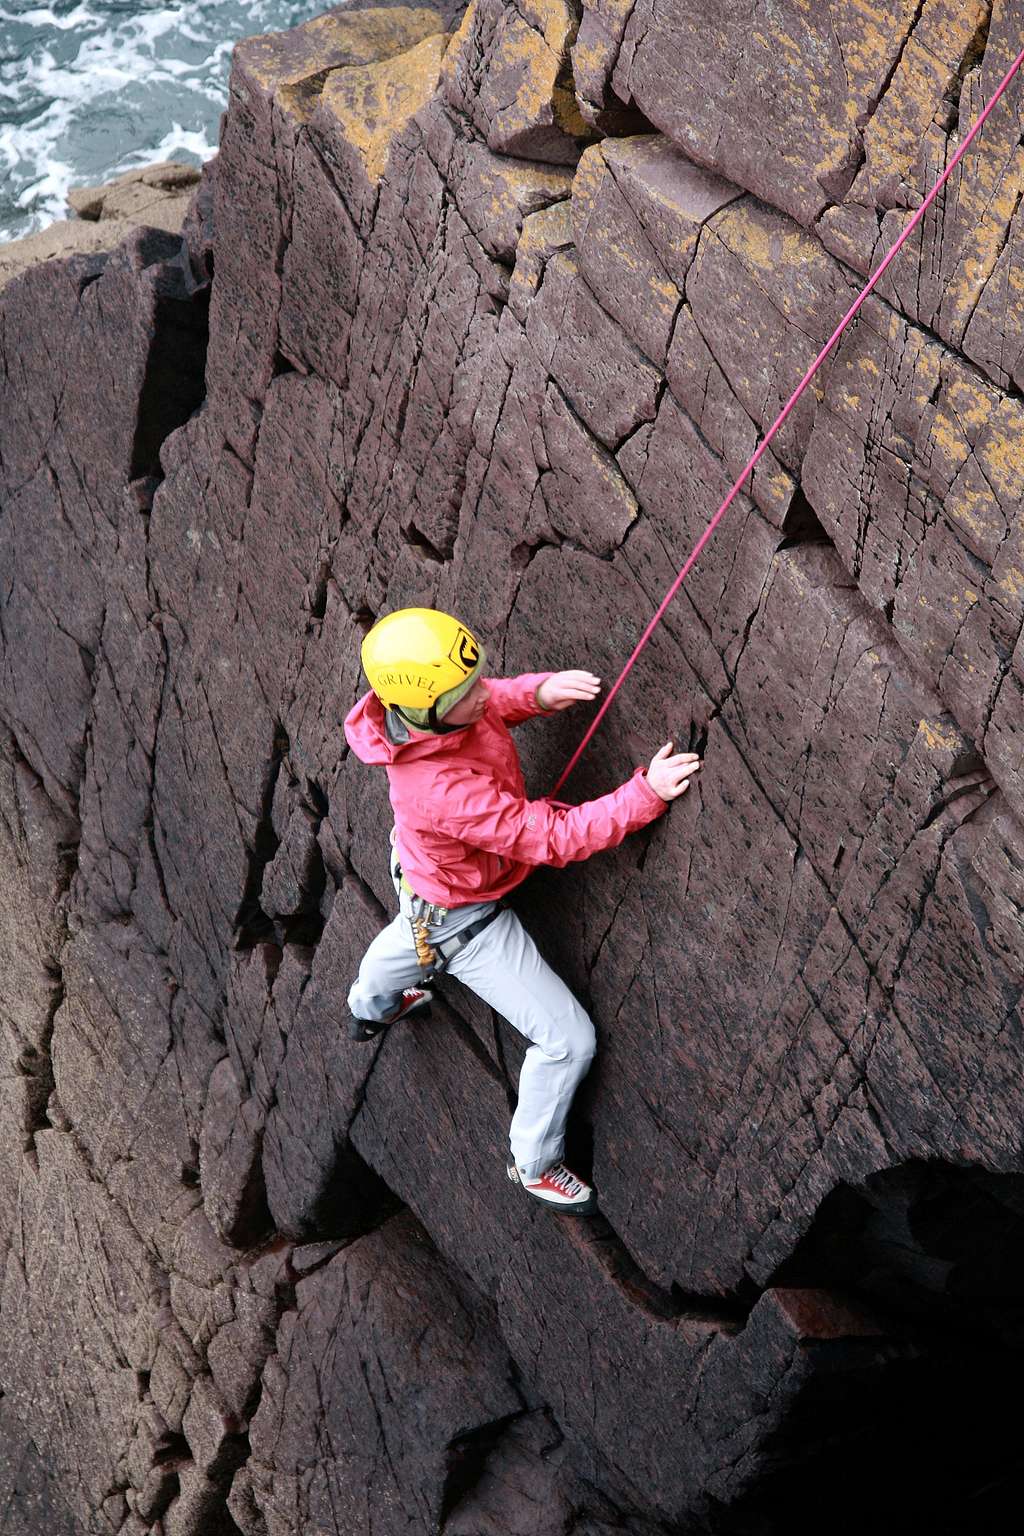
(808, 376)
(447, 951)
(435, 957)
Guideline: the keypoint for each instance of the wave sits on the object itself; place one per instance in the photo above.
(92, 88)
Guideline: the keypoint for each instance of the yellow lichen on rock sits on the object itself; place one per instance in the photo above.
(990, 209)
(940, 736)
(543, 234)
(373, 102)
(508, 70)
(461, 36)
(622, 242)
(537, 67)
(337, 39)
(765, 245)
(503, 193)
(927, 70)
(567, 112)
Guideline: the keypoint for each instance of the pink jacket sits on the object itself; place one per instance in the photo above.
(465, 830)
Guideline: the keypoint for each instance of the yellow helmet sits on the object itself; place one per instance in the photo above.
(420, 662)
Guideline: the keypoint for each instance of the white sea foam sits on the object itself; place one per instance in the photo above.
(80, 17)
(178, 143)
(88, 90)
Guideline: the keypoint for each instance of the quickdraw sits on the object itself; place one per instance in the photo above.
(426, 956)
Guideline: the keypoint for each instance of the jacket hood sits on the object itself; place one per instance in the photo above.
(367, 735)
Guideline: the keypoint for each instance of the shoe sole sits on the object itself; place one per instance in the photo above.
(588, 1208)
(367, 1029)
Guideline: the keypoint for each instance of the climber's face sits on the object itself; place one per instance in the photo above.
(470, 707)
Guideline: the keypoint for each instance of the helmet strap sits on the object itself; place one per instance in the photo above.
(439, 726)
(436, 727)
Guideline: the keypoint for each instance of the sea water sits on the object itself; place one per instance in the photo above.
(92, 88)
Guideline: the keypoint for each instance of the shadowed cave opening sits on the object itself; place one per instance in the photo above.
(932, 1444)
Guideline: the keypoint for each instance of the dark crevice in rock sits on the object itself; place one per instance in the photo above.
(171, 1448)
(88, 278)
(801, 524)
(355, 1200)
(318, 599)
(418, 541)
(363, 618)
(972, 57)
(928, 1461)
(697, 740)
(523, 553)
(317, 798)
(606, 1246)
(303, 929)
(466, 1458)
(167, 1489)
(934, 1243)
(252, 925)
(292, 900)
(174, 384)
(283, 365)
(979, 783)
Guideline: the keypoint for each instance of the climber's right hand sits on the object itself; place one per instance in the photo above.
(670, 773)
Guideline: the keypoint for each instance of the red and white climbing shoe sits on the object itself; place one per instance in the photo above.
(418, 998)
(557, 1187)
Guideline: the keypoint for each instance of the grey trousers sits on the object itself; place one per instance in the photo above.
(503, 966)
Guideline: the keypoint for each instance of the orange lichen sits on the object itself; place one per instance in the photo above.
(337, 39)
(373, 102)
(940, 737)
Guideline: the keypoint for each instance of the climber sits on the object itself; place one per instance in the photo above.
(464, 836)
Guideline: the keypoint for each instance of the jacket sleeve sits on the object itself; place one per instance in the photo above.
(474, 810)
(516, 697)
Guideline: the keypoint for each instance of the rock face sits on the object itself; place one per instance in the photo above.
(485, 310)
(157, 197)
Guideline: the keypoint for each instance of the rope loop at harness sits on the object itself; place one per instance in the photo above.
(762, 447)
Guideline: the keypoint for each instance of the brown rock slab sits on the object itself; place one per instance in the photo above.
(638, 207)
(454, 363)
(508, 71)
(404, 1361)
(30, 1498)
(936, 541)
(138, 195)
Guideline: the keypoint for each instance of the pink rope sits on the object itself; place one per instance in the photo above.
(808, 376)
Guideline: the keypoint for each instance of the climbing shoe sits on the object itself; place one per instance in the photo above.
(417, 998)
(557, 1187)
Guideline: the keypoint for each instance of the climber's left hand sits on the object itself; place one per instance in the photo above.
(564, 688)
